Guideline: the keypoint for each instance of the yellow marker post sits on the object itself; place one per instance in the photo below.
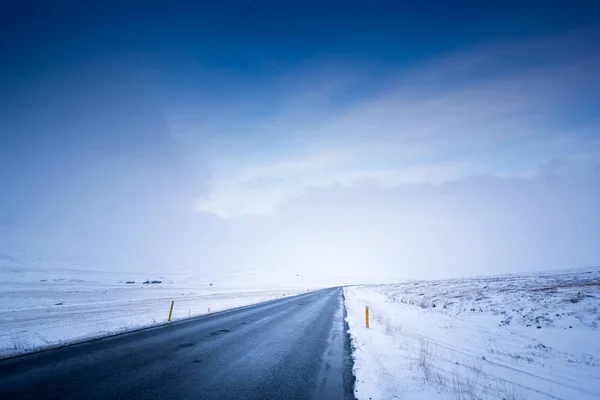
(171, 310)
(367, 316)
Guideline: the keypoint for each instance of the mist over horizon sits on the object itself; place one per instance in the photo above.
(273, 143)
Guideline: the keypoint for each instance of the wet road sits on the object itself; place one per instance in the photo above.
(291, 348)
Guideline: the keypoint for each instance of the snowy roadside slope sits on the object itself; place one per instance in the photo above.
(44, 306)
(503, 337)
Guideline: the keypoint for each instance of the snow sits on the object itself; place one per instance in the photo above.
(530, 336)
(48, 302)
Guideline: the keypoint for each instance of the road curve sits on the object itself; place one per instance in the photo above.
(291, 348)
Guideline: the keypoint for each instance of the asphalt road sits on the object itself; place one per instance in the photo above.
(291, 348)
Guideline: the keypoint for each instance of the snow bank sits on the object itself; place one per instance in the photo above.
(47, 304)
(504, 337)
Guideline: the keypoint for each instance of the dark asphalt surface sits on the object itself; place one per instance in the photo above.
(291, 348)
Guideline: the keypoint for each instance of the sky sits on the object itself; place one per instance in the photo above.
(334, 141)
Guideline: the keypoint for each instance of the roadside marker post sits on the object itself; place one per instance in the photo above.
(367, 316)
(171, 310)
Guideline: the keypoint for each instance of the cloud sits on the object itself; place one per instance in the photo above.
(431, 125)
(421, 230)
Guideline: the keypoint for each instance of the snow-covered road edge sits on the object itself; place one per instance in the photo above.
(391, 362)
(349, 374)
(415, 350)
(16, 340)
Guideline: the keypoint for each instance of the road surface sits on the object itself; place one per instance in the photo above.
(291, 348)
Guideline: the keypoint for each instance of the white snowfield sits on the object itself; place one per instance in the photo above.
(533, 336)
(46, 304)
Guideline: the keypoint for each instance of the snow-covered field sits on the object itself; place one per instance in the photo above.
(530, 336)
(46, 303)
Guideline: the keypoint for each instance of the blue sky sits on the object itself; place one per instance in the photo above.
(426, 140)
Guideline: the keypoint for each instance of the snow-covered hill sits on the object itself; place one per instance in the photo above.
(499, 337)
